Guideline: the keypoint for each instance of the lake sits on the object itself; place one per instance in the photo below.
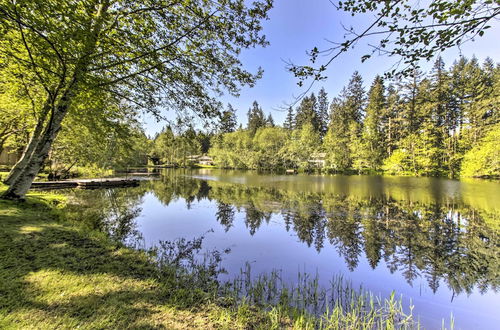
(433, 241)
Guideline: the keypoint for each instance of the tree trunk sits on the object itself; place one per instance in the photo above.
(30, 148)
(22, 183)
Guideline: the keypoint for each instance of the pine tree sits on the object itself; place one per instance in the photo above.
(373, 135)
(392, 119)
(428, 141)
(270, 121)
(355, 97)
(256, 118)
(307, 113)
(290, 119)
(228, 120)
(410, 98)
(323, 113)
(439, 116)
(355, 103)
(336, 141)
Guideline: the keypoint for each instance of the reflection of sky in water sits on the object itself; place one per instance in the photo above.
(272, 247)
(426, 220)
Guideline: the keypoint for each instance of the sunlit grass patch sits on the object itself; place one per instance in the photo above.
(30, 229)
(57, 274)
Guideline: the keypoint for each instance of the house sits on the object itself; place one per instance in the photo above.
(200, 159)
(193, 158)
(205, 160)
(318, 160)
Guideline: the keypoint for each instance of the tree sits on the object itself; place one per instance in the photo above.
(342, 142)
(16, 106)
(355, 97)
(484, 159)
(270, 121)
(439, 121)
(323, 111)
(255, 117)
(372, 139)
(410, 31)
(392, 119)
(336, 141)
(307, 113)
(234, 150)
(410, 99)
(170, 54)
(301, 145)
(290, 119)
(108, 137)
(267, 145)
(228, 120)
(165, 146)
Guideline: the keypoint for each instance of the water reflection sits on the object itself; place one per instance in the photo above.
(113, 211)
(429, 230)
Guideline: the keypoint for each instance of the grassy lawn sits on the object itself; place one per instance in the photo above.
(54, 274)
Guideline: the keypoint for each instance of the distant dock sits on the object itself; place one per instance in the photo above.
(86, 183)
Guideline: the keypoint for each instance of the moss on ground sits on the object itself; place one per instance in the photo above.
(57, 274)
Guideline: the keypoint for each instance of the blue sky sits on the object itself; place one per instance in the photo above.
(296, 26)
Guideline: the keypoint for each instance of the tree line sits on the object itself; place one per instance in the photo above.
(442, 123)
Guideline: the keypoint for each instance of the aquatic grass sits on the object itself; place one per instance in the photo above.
(308, 305)
(277, 303)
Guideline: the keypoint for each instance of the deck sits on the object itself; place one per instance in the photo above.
(86, 183)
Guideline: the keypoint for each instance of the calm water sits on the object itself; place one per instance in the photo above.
(434, 241)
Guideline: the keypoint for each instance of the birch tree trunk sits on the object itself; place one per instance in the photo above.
(22, 183)
(30, 148)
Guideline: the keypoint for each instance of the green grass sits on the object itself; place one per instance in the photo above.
(55, 273)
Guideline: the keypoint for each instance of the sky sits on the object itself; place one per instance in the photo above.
(296, 26)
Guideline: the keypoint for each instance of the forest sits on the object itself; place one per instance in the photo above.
(441, 123)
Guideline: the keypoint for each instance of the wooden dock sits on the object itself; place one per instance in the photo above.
(86, 183)
(143, 174)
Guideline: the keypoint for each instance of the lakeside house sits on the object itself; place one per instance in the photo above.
(318, 160)
(200, 160)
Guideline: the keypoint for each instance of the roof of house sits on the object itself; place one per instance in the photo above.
(318, 155)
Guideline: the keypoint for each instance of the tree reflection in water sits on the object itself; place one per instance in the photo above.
(113, 211)
(434, 239)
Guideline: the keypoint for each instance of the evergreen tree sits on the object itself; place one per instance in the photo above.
(355, 102)
(437, 120)
(323, 113)
(290, 119)
(228, 120)
(410, 98)
(422, 125)
(336, 141)
(373, 135)
(355, 97)
(426, 144)
(270, 121)
(256, 118)
(392, 119)
(307, 113)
